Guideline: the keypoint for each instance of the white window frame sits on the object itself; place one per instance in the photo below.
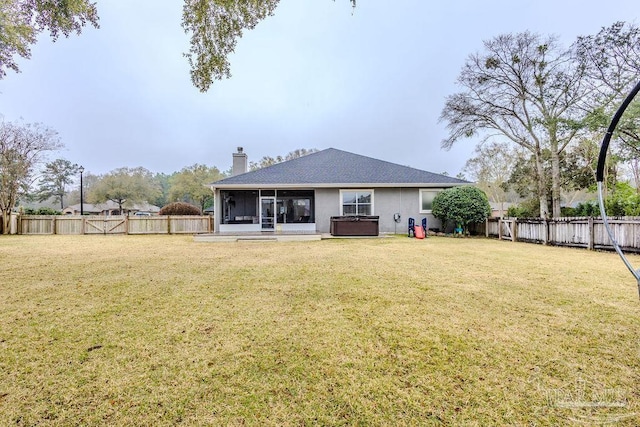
(357, 190)
(432, 190)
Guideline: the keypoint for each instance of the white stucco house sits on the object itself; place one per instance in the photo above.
(303, 194)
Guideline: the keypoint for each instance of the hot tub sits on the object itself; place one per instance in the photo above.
(354, 225)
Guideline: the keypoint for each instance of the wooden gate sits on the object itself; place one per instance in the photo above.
(507, 229)
(105, 225)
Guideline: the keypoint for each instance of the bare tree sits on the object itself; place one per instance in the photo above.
(527, 89)
(270, 161)
(491, 167)
(22, 148)
(611, 59)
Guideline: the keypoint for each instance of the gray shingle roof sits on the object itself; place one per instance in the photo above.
(332, 166)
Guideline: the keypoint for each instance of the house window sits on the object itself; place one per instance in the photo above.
(426, 200)
(356, 202)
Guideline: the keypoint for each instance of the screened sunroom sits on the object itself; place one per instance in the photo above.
(267, 210)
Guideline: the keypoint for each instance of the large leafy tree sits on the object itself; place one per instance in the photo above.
(55, 178)
(576, 175)
(191, 185)
(586, 153)
(22, 20)
(524, 88)
(214, 27)
(125, 186)
(22, 148)
(163, 182)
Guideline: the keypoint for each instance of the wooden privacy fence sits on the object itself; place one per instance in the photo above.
(98, 224)
(589, 233)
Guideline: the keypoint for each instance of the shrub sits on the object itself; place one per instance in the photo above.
(582, 209)
(461, 206)
(624, 201)
(41, 211)
(180, 208)
(529, 208)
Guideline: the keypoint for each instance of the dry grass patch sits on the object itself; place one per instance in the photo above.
(158, 330)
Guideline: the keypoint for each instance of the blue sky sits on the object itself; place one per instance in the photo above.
(315, 75)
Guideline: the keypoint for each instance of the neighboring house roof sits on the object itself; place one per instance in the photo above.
(496, 206)
(332, 167)
(146, 207)
(86, 207)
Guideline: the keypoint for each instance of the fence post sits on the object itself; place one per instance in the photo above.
(514, 230)
(591, 236)
(545, 231)
(486, 228)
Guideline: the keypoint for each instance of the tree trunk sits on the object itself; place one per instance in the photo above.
(635, 169)
(555, 167)
(555, 183)
(542, 187)
(6, 221)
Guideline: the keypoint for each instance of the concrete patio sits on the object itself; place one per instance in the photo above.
(275, 237)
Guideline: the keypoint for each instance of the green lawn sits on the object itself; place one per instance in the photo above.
(160, 330)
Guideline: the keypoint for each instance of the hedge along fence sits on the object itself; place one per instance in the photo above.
(117, 224)
(589, 233)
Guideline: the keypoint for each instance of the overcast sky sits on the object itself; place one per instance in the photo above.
(315, 75)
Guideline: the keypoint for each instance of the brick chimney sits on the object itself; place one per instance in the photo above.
(239, 163)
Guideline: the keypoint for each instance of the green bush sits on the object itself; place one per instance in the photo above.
(461, 206)
(529, 208)
(41, 211)
(624, 200)
(582, 209)
(180, 208)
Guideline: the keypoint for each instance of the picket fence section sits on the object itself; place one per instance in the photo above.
(589, 233)
(117, 224)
